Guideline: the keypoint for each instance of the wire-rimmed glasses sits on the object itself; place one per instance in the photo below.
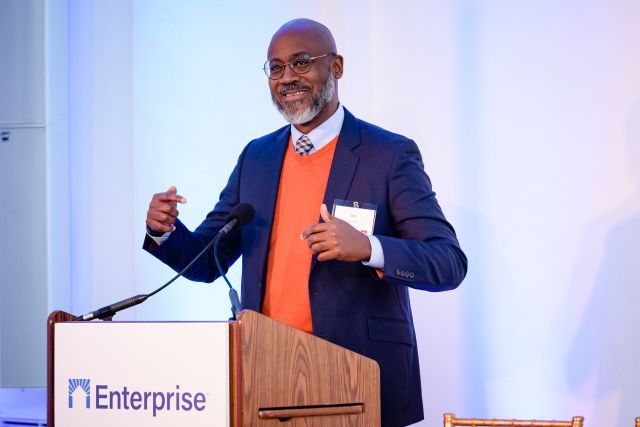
(274, 69)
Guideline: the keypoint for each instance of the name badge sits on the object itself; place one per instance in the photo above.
(361, 216)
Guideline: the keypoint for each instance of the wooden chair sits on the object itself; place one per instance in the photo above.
(450, 420)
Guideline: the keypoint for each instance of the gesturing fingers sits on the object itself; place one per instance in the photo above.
(161, 217)
(315, 229)
(335, 239)
(156, 225)
(321, 242)
(167, 208)
(163, 210)
(329, 255)
(168, 198)
(325, 215)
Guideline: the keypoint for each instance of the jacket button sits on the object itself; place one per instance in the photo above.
(411, 275)
(398, 272)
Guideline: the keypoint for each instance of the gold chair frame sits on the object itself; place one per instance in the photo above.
(450, 420)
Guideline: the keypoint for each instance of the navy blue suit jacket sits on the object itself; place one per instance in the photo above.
(350, 305)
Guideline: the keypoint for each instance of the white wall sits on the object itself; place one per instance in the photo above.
(526, 113)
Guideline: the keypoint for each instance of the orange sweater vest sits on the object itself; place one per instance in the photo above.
(301, 191)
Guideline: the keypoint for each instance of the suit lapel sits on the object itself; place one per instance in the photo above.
(344, 165)
(273, 155)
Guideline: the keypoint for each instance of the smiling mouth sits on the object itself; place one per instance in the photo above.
(294, 90)
(294, 98)
(294, 93)
(300, 92)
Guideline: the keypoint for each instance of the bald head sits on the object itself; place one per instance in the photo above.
(319, 35)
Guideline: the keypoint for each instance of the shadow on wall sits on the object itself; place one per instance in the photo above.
(602, 365)
(474, 229)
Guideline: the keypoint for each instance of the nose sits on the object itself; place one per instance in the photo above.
(289, 75)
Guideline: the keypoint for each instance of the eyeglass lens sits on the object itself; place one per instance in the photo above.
(300, 65)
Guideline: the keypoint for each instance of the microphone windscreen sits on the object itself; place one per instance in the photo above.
(243, 212)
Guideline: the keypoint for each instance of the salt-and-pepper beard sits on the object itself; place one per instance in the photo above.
(317, 104)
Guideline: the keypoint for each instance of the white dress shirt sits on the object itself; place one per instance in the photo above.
(324, 133)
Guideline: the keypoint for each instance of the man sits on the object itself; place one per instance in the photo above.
(302, 265)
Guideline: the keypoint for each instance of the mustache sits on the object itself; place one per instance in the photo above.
(295, 86)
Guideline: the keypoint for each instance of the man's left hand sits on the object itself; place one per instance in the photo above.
(336, 239)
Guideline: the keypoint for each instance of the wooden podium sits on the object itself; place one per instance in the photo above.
(277, 375)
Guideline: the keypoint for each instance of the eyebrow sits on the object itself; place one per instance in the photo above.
(292, 56)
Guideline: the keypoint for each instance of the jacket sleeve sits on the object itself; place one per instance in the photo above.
(183, 245)
(424, 253)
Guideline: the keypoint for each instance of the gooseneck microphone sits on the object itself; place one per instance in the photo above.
(109, 311)
(240, 215)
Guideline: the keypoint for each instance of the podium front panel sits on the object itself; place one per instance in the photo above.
(142, 374)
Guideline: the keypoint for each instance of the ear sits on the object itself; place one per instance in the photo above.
(337, 66)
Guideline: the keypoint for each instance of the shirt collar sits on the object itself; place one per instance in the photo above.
(324, 133)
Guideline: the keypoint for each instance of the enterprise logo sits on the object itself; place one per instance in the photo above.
(85, 385)
(135, 400)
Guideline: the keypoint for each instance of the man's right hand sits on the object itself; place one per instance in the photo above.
(163, 211)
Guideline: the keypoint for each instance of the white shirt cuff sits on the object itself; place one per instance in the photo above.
(377, 256)
(159, 239)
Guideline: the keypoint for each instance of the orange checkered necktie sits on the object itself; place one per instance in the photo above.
(304, 146)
